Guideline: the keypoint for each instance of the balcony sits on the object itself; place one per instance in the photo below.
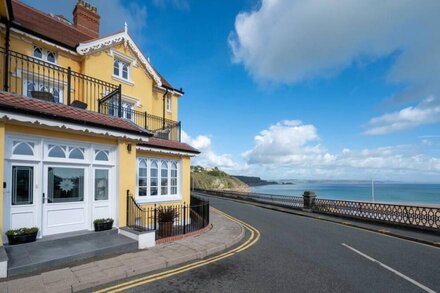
(35, 78)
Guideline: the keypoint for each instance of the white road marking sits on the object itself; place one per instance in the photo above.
(421, 286)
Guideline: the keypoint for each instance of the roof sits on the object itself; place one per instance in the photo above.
(58, 111)
(57, 30)
(36, 21)
(169, 144)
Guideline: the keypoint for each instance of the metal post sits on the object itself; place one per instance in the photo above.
(180, 131)
(184, 218)
(69, 84)
(155, 217)
(120, 101)
(128, 204)
(6, 69)
(145, 120)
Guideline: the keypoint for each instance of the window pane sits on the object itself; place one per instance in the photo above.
(65, 184)
(76, 154)
(142, 172)
(38, 52)
(30, 88)
(101, 184)
(116, 67)
(51, 57)
(142, 182)
(101, 156)
(22, 185)
(125, 71)
(56, 152)
(23, 148)
(142, 191)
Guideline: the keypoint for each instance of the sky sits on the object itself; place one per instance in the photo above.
(293, 89)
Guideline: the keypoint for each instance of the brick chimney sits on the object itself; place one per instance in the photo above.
(86, 18)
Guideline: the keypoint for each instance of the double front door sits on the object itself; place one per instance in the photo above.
(56, 198)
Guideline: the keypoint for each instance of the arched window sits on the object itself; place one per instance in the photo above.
(116, 67)
(23, 148)
(153, 178)
(101, 155)
(76, 153)
(142, 178)
(51, 57)
(164, 178)
(38, 52)
(173, 178)
(56, 151)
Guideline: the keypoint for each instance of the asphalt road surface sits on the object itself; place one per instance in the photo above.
(298, 254)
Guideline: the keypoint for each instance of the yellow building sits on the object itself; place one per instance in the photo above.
(85, 121)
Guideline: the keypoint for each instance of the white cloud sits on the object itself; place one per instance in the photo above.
(294, 40)
(208, 158)
(426, 112)
(294, 150)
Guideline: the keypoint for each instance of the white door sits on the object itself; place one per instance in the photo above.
(65, 199)
(102, 193)
(21, 195)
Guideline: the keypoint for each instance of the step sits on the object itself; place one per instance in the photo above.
(47, 254)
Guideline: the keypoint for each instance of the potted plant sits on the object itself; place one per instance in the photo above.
(22, 235)
(103, 224)
(166, 217)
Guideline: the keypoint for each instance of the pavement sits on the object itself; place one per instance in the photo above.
(303, 254)
(223, 234)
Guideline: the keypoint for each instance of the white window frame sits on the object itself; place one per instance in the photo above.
(169, 102)
(119, 76)
(148, 198)
(45, 53)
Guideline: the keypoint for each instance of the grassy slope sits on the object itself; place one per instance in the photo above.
(215, 179)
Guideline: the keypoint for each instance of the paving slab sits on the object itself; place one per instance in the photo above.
(223, 234)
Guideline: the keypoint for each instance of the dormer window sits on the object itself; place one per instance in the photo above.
(121, 69)
(44, 54)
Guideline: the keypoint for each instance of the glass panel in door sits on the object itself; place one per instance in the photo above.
(22, 185)
(65, 184)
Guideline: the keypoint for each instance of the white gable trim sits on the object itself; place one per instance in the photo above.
(93, 46)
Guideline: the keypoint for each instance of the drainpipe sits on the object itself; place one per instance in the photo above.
(6, 68)
(163, 113)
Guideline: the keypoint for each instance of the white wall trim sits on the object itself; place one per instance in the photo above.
(164, 151)
(4, 115)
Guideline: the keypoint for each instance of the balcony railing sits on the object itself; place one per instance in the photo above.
(32, 77)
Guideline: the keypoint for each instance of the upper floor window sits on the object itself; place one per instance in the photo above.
(44, 54)
(169, 102)
(121, 69)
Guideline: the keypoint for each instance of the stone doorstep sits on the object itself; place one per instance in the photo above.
(131, 264)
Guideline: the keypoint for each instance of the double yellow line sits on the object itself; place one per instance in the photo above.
(254, 235)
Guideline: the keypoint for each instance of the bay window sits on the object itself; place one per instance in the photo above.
(157, 178)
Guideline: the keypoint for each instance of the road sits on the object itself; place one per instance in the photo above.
(298, 254)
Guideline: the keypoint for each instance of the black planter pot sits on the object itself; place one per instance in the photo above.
(23, 238)
(103, 226)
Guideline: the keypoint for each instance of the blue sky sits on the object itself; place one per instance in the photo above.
(296, 89)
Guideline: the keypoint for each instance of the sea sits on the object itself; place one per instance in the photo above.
(399, 193)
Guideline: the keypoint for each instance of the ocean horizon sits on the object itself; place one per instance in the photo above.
(399, 193)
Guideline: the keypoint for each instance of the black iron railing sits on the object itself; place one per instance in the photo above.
(33, 77)
(413, 216)
(419, 217)
(189, 217)
(36, 78)
(294, 202)
(162, 128)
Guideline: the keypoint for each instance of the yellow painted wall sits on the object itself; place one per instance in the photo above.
(127, 178)
(2, 167)
(3, 8)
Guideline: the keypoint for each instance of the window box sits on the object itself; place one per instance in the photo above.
(103, 224)
(22, 235)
